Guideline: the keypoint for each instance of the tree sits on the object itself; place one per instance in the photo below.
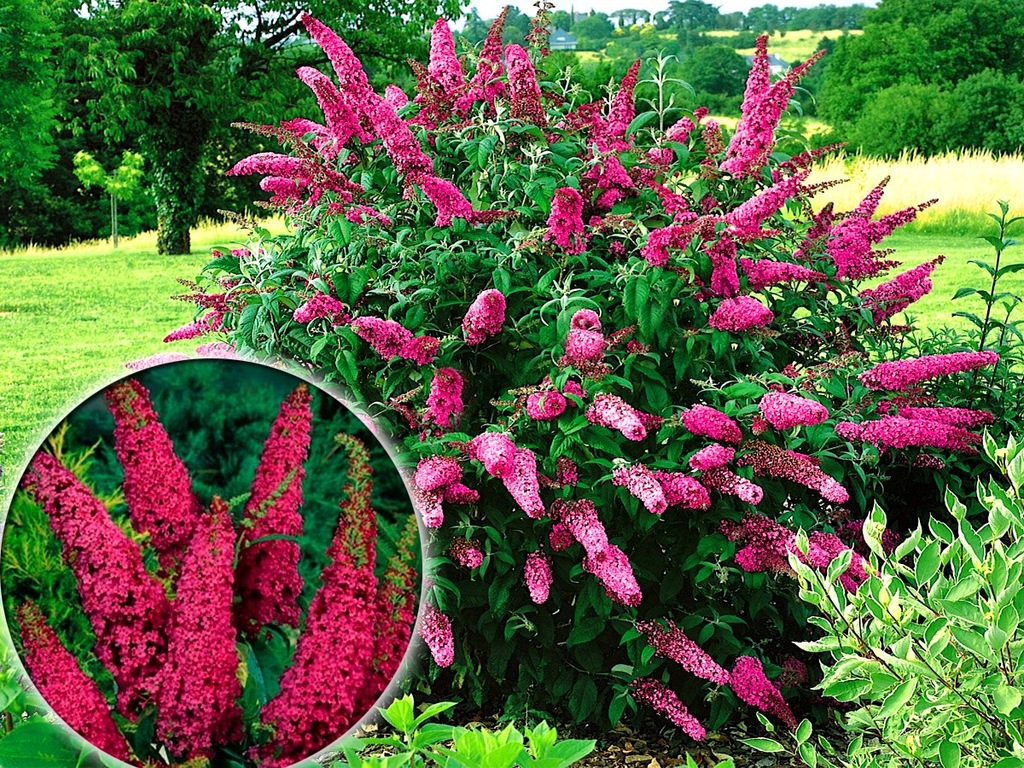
(26, 100)
(716, 69)
(692, 15)
(561, 20)
(593, 30)
(121, 184)
(921, 41)
(170, 76)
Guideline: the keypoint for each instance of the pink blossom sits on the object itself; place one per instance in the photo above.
(725, 280)
(354, 85)
(401, 145)
(217, 349)
(211, 322)
(621, 112)
(444, 403)
(823, 548)
(69, 691)
(898, 375)
(613, 412)
(321, 305)
(126, 606)
(746, 219)
(565, 223)
(725, 481)
(771, 461)
(900, 292)
(682, 490)
(485, 317)
(560, 538)
(656, 249)
(161, 358)
(524, 91)
(342, 121)
(643, 484)
(332, 669)
(395, 96)
(386, 337)
(784, 411)
(955, 417)
(685, 126)
(709, 422)
(523, 482)
(900, 432)
(711, 457)
(198, 684)
(268, 581)
(613, 179)
(762, 108)
(364, 214)
(466, 553)
(537, 575)
(436, 630)
(739, 314)
(420, 349)
(447, 198)
(613, 570)
(766, 544)
(567, 471)
(672, 643)
(157, 486)
(763, 273)
(581, 520)
(546, 405)
(751, 685)
(444, 67)
(584, 343)
(495, 450)
(435, 472)
(486, 85)
(665, 702)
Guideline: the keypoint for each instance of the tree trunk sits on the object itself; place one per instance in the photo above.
(113, 219)
(175, 145)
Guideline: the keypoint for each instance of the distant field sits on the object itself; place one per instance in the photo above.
(967, 185)
(791, 46)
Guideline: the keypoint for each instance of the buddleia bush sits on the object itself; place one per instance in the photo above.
(623, 362)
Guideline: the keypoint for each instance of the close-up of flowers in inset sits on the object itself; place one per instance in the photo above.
(199, 568)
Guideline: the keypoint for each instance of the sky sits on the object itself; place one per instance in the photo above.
(488, 9)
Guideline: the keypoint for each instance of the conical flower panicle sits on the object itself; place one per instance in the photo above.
(395, 614)
(72, 694)
(267, 575)
(126, 606)
(333, 663)
(199, 684)
(355, 539)
(157, 486)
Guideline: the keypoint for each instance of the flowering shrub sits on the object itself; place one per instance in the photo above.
(927, 653)
(640, 362)
(194, 610)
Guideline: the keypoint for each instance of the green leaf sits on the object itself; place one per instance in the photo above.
(763, 745)
(1007, 698)
(949, 754)
(37, 744)
(400, 714)
(928, 562)
(895, 700)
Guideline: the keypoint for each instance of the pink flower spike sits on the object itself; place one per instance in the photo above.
(709, 422)
(466, 553)
(740, 314)
(712, 457)
(682, 490)
(565, 223)
(643, 484)
(672, 643)
(321, 305)
(546, 405)
(784, 411)
(613, 412)
(537, 575)
(523, 482)
(444, 403)
(495, 450)
(444, 67)
(898, 375)
(751, 685)
(665, 702)
(485, 317)
(524, 91)
(436, 630)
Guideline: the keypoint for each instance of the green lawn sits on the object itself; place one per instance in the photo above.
(68, 324)
(71, 319)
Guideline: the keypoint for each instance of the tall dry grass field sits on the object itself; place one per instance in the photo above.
(967, 185)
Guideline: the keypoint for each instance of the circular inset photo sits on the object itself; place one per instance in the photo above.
(211, 562)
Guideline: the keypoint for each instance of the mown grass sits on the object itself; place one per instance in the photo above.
(71, 318)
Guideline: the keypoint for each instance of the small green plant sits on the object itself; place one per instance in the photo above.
(418, 741)
(122, 183)
(929, 651)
